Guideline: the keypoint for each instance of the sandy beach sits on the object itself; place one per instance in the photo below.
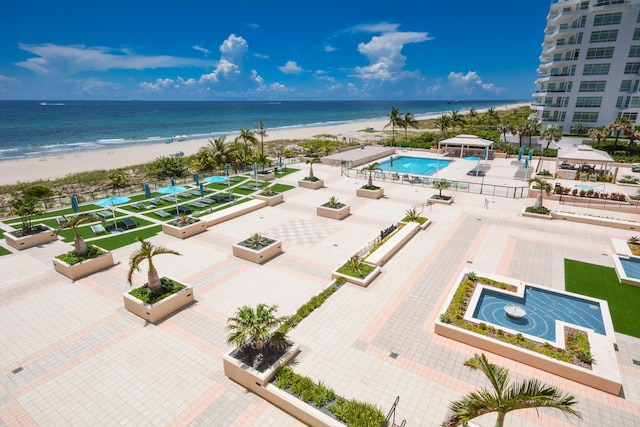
(52, 167)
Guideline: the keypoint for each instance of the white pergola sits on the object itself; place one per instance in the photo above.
(584, 154)
(469, 141)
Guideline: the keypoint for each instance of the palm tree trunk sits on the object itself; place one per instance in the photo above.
(80, 247)
(154, 281)
(370, 179)
(500, 420)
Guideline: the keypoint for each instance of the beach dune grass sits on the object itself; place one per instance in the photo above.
(602, 282)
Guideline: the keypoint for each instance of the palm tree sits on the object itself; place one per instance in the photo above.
(257, 327)
(444, 122)
(473, 115)
(262, 131)
(551, 133)
(146, 252)
(441, 185)
(598, 133)
(74, 222)
(532, 127)
(618, 126)
(506, 396)
(503, 128)
(544, 187)
(492, 116)
(395, 120)
(457, 119)
(246, 137)
(409, 120)
(219, 150)
(371, 168)
(311, 161)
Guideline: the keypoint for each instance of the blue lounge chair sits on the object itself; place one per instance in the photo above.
(128, 223)
(98, 229)
(105, 214)
(163, 214)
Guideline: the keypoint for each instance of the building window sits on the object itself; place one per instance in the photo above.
(596, 69)
(619, 102)
(635, 102)
(608, 2)
(604, 36)
(625, 86)
(632, 68)
(584, 117)
(600, 53)
(634, 51)
(607, 19)
(592, 86)
(631, 116)
(589, 102)
(636, 34)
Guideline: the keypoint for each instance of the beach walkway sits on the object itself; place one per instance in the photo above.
(72, 355)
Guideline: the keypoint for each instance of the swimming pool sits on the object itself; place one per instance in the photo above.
(631, 267)
(583, 187)
(543, 308)
(414, 165)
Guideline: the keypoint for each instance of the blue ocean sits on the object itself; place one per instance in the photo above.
(34, 128)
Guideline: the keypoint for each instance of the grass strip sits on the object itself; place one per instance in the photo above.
(119, 240)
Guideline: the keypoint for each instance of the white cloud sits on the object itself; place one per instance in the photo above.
(329, 48)
(291, 67)
(233, 48)
(73, 59)
(205, 51)
(469, 83)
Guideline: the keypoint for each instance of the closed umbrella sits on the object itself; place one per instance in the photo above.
(526, 163)
(530, 155)
(520, 154)
(280, 161)
(147, 191)
(201, 190)
(226, 169)
(173, 182)
(196, 178)
(74, 203)
(255, 169)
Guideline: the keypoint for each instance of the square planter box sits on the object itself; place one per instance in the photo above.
(251, 378)
(264, 176)
(313, 185)
(422, 226)
(441, 201)
(84, 268)
(186, 231)
(357, 281)
(258, 256)
(271, 200)
(20, 243)
(370, 194)
(164, 308)
(333, 213)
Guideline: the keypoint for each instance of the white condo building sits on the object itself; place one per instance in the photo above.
(589, 69)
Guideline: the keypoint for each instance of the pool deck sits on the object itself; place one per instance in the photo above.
(72, 355)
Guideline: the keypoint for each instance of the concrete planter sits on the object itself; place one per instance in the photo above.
(264, 176)
(364, 282)
(441, 201)
(389, 248)
(370, 194)
(536, 215)
(333, 213)
(185, 231)
(250, 378)
(271, 200)
(594, 220)
(164, 308)
(20, 243)
(84, 268)
(313, 185)
(422, 226)
(258, 256)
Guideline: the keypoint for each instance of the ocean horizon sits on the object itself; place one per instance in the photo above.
(39, 128)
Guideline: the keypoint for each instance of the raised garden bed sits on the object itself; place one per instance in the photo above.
(370, 193)
(180, 230)
(258, 254)
(156, 311)
(394, 243)
(334, 213)
(527, 214)
(313, 185)
(272, 200)
(442, 200)
(44, 234)
(85, 267)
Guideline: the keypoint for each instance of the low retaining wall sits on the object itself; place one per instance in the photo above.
(163, 308)
(393, 245)
(232, 212)
(31, 240)
(186, 231)
(593, 220)
(84, 268)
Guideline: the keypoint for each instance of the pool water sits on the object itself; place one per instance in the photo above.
(543, 308)
(631, 267)
(414, 165)
(583, 187)
(473, 158)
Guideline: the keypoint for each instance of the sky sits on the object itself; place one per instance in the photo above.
(270, 49)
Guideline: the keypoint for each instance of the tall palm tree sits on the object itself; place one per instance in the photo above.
(503, 128)
(146, 252)
(371, 168)
(74, 222)
(409, 121)
(619, 126)
(443, 122)
(257, 327)
(262, 131)
(532, 127)
(473, 116)
(248, 140)
(219, 150)
(598, 133)
(395, 120)
(506, 396)
(492, 116)
(311, 161)
(457, 119)
(545, 187)
(552, 133)
(443, 184)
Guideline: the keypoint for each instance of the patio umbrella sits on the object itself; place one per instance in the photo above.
(147, 191)
(255, 169)
(520, 155)
(112, 201)
(196, 178)
(173, 182)
(74, 203)
(201, 190)
(530, 155)
(171, 189)
(226, 169)
(526, 163)
(280, 161)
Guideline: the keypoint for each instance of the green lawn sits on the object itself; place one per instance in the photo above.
(279, 188)
(602, 282)
(119, 240)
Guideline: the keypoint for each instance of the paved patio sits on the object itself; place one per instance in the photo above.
(72, 355)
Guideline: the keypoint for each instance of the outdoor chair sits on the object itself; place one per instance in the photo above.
(128, 223)
(98, 229)
(163, 214)
(105, 214)
(61, 220)
(583, 176)
(593, 177)
(170, 199)
(137, 205)
(197, 204)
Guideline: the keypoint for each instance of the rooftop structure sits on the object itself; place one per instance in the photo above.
(589, 66)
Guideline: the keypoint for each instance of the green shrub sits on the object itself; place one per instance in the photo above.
(71, 258)
(357, 414)
(169, 287)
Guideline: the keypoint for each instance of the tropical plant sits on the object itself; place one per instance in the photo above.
(219, 150)
(411, 215)
(74, 222)
(409, 121)
(311, 161)
(24, 207)
(503, 128)
(552, 133)
(457, 119)
(146, 252)
(492, 116)
(473, 116)
(256, 240)
(544, 186)
(39, 192)
(257, 327)
(166, 167)
(371, 168)
(333, 202)
(248, 141)
(441, 185)
(395, 120)
(506, 396)
(355, 263)
(620, 125)
(443, 122)
(262, 132)
(634, 240)
(118, 179)
(598, 133)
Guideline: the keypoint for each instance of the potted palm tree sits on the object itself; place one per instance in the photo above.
(159, 297)
(28, 235)
(538, 210)
(370, 191)
(261, 346)
(271, 197)
(83, 260)
(184, 226)
(311, 181)
(506, 396)
(441, 185)
(355, 270)
(257, 248)
(333, 209)
(412, 215)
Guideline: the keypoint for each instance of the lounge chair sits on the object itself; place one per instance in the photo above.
(98, 229)
(61, 220)
(206, 202)
(593, 177)
(163, 214)
(137, 205)
(170, 199)
(583, 176)
(635, 167)
(104, 214)
(197, 204)
(157, 200)
(128, 223)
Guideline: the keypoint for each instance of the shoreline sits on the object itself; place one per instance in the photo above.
(30, 169)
